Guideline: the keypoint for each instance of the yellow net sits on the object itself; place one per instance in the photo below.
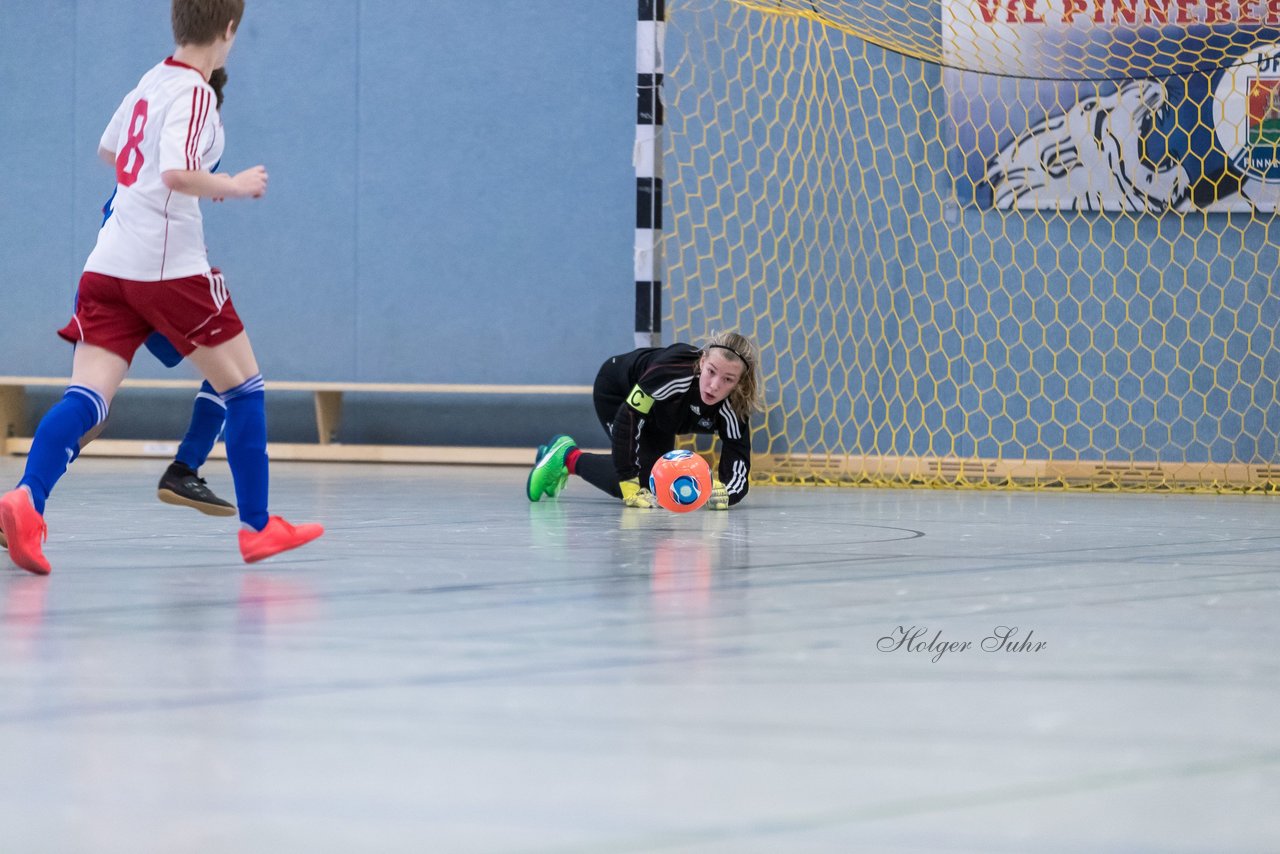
(981, 243)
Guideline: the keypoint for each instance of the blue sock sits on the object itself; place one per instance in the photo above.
(246, 439)
(207, 416)
(57, 440)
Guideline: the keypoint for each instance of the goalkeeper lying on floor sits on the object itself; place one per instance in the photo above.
(647, 397)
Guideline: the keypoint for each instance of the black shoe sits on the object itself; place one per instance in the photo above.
(181, 485)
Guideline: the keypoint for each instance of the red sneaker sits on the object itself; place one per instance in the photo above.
(278, 536)
(25, 530)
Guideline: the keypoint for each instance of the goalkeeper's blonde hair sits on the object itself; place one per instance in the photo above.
(745, 397)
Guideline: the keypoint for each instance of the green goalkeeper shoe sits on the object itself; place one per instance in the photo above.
(548, 475)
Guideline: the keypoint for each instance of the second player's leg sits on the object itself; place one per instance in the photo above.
(232, 370)
(181, 483)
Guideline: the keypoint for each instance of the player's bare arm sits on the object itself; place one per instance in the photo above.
(251, 183)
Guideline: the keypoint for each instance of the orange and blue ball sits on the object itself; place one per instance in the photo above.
(680, 481)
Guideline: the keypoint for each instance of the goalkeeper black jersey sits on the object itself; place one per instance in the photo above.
(659, 390)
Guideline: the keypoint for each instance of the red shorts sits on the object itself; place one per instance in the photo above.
(119, 314)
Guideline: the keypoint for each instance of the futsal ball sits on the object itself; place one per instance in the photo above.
(680, 481)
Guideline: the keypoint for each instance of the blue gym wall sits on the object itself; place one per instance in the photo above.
(451, 198)
(452, 201)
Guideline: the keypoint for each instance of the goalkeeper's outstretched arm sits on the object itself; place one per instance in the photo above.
(734, 471)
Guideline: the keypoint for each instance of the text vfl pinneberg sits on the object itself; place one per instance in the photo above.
(917, 639)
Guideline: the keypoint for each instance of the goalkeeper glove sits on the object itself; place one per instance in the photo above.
(634, 496)
(719, 499)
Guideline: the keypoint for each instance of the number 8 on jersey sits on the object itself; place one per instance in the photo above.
(129, 160)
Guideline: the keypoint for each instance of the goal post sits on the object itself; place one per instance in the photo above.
(647, 156)
(982, 250)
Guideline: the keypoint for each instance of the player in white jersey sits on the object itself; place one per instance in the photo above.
(149, 273)
(181, 483)
(169, 120)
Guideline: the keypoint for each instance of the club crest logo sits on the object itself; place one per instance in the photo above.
(1264, 111)
(1247, 114)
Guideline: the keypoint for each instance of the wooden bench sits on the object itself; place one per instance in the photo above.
(328, 407)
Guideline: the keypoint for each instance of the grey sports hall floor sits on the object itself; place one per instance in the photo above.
(453, 669)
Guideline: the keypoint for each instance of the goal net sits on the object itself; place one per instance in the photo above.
(1006, 243)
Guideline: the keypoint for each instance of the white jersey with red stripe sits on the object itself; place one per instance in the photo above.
(168, 122)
